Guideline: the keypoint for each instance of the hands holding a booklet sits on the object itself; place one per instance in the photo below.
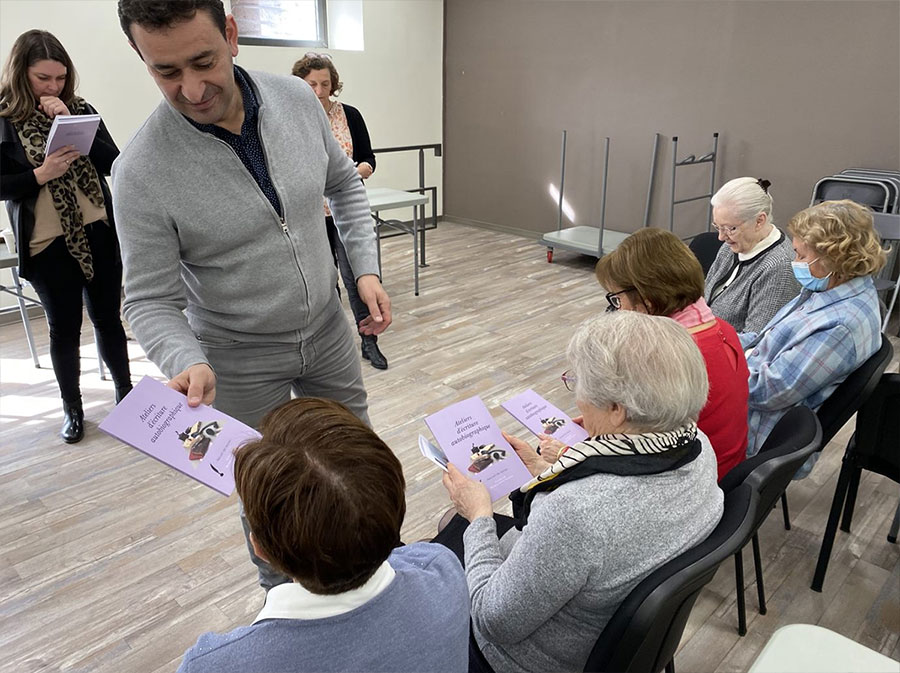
(471, 498)
(58, 158)
(56, 164)
(484, 464)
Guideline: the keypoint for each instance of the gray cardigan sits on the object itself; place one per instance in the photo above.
(197, 233)
(763, 285)
(541, 597)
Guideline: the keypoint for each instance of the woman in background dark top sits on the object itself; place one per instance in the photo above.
(350, 131)
(61, 210)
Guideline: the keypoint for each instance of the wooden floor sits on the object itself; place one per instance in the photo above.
(111, 562)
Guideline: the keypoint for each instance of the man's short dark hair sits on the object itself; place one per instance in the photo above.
(159, 14)
(323, 495)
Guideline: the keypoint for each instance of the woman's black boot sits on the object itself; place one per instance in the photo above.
(73, 423)
(371, 353)
(122, 391)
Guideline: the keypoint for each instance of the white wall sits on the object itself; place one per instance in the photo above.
(395, 82)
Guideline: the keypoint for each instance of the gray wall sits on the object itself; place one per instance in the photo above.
(796, 89)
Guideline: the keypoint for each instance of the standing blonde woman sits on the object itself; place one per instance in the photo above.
(751, 276)
(60, 207)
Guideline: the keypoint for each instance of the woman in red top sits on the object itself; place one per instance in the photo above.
(654, 272)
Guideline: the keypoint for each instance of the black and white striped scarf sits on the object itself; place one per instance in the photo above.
(621, 454)
(659, 448)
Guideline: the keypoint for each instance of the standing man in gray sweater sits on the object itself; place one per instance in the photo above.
(229, 282)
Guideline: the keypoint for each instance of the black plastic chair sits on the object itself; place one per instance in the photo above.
(852, 393)
(643, 634)
(873, 447)
(705, 247)
(795, 437)
(847, 399)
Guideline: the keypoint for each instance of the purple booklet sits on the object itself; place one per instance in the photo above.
(198, 442)
(472, 441)
(539, 416)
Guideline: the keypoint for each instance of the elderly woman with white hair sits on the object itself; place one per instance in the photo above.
(609, 511)
(751, 276)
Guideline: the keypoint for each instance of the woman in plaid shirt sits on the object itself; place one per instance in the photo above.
(829, 329)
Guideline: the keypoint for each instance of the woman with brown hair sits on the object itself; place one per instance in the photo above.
(60, 207)
(349, 129)
(653, 272)
(325, 500)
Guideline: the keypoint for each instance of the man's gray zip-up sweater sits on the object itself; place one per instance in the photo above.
(204, 250)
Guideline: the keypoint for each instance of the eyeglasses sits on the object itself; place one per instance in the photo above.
(568, 378)
(312, 54)
(726, 229)
(613, 298)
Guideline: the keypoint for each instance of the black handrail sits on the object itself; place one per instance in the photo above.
(407, 148)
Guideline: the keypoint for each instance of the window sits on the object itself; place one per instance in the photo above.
(283, 23)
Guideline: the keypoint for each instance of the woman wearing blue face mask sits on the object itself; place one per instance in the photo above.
(829, 329)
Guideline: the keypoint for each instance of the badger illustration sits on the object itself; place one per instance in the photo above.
(552, 424)
(197, 438)
(484, 455)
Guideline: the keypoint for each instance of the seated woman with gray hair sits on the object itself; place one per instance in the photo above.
(751, 277)
(606, 513)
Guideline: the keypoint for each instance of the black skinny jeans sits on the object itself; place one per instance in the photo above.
(60, 284)
(357, 305)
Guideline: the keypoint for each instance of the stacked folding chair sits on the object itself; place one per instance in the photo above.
(879, 190)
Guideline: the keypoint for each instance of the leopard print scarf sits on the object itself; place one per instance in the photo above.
(33, 133)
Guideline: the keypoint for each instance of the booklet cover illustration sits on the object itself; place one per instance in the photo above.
(473, 442)
(198, 442)
(539, 416)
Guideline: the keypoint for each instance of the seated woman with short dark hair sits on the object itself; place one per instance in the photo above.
(324, 498)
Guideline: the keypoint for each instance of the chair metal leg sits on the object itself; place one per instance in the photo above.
(378, 243)
(890, 306)
(670, 667)
(850, 500)
(895, 526)
(784, 511)
(757, 563)
(23, 311)
(739, 588)
(100, 363)
(831, 527)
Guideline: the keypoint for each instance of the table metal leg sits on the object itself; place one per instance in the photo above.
(23, 311)
(415, 233)
(378, 245)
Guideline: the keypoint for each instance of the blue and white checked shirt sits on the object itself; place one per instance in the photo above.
(811, 345)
